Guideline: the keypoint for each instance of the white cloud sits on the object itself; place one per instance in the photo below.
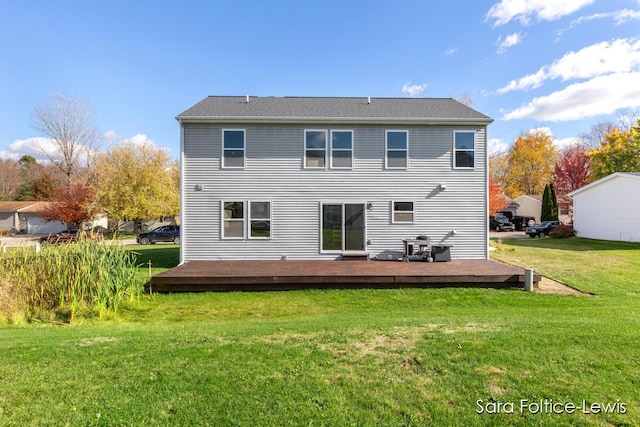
(497, 147)
(524, 10)
(35, 147)
(138, 139)
(509, 41)
(38, 146)
(560, 144)
(452, 51)
(414, 91)
(618, 56)
(563, 144)
(619, 18)
(600, 95)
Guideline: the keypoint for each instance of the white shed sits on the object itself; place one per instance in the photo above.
(609, 209)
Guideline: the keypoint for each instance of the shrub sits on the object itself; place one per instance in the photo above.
(62, 281)
(562, 231)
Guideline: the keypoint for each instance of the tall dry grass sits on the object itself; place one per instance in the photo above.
(62, 282)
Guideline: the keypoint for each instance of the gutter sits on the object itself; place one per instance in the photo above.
(334, 120)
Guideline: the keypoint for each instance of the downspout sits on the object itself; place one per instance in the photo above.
(182, 230)
(486, 192)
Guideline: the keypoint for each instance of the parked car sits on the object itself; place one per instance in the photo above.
(166, 233)
(522, 222)
(68, 236)
(500, 223)
(543, 229)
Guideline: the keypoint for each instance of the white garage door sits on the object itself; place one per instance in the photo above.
(37, 225)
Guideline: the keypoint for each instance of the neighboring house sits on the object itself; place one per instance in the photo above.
(314, 178)
(529, 205)
(9, 218)
(24, 217)
(609, 208)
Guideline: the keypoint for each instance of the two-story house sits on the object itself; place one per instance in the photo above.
(313, 178)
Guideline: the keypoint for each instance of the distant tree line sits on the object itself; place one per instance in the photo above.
(127, 181)
(533, 163)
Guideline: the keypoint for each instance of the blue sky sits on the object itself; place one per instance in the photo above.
(529, 64)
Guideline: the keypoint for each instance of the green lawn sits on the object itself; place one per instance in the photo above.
(346, 357)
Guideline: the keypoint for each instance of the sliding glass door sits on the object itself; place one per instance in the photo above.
(343, 227)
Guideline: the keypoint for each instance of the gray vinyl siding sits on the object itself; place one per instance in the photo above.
(275, 172)
(6, 221)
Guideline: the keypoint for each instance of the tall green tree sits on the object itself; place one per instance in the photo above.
(549, 204)
(620, 152)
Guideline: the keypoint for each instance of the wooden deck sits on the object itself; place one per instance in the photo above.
(262, 275)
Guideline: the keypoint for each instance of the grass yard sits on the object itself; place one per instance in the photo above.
(347, 357)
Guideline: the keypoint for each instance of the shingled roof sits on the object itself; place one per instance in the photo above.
(248, 109)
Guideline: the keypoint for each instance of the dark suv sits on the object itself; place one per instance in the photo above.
(166, 233)
(500, 223)
(522, 222)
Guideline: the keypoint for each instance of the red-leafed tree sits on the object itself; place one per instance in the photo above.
(72, 205)
(497, 199)
(572, 170)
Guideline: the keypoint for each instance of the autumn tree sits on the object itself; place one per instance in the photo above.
(572, 170)
(67, 122)
(620, 152)
(45, 187)
(9, 179)
(530, 164)
(497, 199)
(72, 205)
(136, 182)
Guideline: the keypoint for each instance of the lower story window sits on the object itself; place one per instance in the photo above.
(403, 212)
(233, 220)
(260, 220)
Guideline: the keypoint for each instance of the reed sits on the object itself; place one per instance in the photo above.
(85, 279)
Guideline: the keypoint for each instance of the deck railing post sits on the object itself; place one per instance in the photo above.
(528, 279)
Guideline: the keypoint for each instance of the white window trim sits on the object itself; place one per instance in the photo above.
(244, 149)
(250, 218)
(393, 211)
(223, 219)
(386, 149)
(455, 150)
(326, 150)
(341, 149)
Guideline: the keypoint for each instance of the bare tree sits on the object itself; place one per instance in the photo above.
(463, 98)
(9, 178)
(598, 132)
(67, 122)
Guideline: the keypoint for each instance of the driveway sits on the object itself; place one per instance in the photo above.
(507, 235)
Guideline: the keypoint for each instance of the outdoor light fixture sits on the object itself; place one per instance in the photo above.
(442, 186)
(198, 187)
(369, 206)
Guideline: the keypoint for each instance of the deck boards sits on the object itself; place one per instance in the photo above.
(269, 275)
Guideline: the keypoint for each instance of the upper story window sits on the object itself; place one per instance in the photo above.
(315, 149)
(464, 149)
(260, 220)
(403, 212)
(342, 149)
(233, 148)
(397, 149)
(233, 220)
